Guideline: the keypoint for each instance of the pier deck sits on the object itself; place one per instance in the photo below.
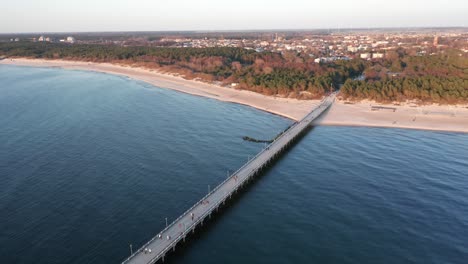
(177, 231)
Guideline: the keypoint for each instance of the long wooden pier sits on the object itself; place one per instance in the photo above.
(157, 248)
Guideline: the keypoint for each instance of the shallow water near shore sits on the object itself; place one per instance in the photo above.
(92, 162)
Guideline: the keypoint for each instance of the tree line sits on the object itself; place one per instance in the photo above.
(288, 74)
(400, 76)
(437, 78)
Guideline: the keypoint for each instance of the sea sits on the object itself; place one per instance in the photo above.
(91, 163)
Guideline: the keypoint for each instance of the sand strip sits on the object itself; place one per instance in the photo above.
(431, 117)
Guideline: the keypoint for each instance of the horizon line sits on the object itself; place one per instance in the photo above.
(246, 30)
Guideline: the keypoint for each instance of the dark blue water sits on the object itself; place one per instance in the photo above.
(92, 162)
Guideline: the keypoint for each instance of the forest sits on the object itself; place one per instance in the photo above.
(288, 75)
(400, 76)
(440, 78)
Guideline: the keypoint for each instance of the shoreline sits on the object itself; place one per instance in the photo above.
(427, 117)
(452, 118)
(286, 107)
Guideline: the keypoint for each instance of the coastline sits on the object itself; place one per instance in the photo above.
(429, 117)
(290, 108)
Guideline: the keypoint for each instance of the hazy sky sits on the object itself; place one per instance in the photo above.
(155, 15)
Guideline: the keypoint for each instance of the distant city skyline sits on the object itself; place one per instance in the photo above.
(28, 16)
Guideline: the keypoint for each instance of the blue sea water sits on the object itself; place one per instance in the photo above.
(91, 162)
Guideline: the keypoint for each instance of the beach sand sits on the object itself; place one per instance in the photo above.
(290, 108)
(429, 117)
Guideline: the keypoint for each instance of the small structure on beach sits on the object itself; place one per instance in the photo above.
(377, 108)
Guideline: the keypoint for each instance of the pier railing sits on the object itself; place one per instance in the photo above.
(325, 102)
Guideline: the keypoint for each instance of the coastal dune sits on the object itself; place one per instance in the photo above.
(429, 117)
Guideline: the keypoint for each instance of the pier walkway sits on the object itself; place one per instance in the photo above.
(157, 248)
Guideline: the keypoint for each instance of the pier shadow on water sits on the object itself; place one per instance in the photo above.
(210, 223)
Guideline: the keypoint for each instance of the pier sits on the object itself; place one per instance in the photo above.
(156, 249)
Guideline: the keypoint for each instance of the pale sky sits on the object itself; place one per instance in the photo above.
(163, 15)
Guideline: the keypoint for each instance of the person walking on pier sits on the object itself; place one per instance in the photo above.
(191, 215)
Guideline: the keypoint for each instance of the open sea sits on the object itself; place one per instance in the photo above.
(91, 162)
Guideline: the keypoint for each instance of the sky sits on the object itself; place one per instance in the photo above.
(21, 16)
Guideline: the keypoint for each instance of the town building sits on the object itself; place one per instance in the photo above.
(365, 56)
(71, 40)
(377, 55)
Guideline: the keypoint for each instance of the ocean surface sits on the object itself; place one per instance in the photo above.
(91, 162)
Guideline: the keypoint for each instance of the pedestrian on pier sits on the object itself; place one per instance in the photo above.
(191, 215)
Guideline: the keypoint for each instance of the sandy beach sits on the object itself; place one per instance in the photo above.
(429, 117)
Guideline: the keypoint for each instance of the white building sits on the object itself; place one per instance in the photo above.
(377, 55)
(71, 40)
(330, 59)
(365, 56)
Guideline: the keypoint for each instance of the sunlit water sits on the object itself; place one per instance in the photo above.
(90, 163)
